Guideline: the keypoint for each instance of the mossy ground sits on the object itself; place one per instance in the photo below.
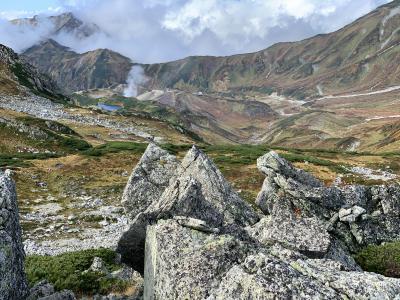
(66, 271)
(382, 259)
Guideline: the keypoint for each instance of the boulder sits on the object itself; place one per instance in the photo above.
(133, 278)
(63, 295)
(389, 197)
(352, 285)
(99, 266)
(356, 215)
(217, 190)
(184, 263)
(13, 284)
(273, 162)
(40, 290)
(45, 290)
(306, 235)
(149, 179)
(266, 277)
(198, 191)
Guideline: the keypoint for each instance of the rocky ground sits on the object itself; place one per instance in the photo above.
(193, 237)
(45, 109)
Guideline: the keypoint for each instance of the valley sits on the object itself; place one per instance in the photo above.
(76, 129)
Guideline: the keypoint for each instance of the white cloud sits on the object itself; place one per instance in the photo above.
(156, 30)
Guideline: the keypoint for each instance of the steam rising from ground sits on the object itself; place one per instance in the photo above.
(136, 78)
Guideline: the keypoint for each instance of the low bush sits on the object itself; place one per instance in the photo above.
(115, 147)
(383, 259)
(66, 271)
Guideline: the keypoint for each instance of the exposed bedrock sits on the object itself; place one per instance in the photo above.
(199, 240)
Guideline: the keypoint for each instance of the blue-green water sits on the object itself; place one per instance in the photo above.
(108, 107)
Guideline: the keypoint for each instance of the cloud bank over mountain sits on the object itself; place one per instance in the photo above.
(155, 30)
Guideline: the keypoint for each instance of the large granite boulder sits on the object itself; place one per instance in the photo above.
(198, 190)
(266, 277)
(200, 240)
(13, 284)
(149, 179)
(185, 263)
(357, 215)
(190, 260)
(217, 190)
(306, 235)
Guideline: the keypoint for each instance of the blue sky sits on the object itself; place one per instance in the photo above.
(27, 5)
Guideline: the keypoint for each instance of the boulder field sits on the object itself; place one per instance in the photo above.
(193, 237)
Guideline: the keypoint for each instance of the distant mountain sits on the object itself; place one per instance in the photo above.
(101, 68)
(361, 56)
(17, 77)
(64, 23)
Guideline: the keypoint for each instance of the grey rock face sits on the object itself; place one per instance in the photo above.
(272, 161)
(353, 285)
(201, 241)
(40, 290)
(198, 190)
(45, 291)
(149, 179)
(182, 198)
(98, 265)
(266, 277)
(182, 263)
(13, 283)
(357, 215)
(63, 295)
(307, 235)
(217, 190)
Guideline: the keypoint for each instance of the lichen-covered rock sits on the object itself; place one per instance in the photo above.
(307, 235)
(217, 190)
(149, 179)
(40, 290)
(354, 285)
(13, 283)
(266, 277)
(182, 198)
(45, 290)
(63, 295)
(272, 161)
(198, 191)
(389, 197)
(357, 215)
(183, 263)
(134, 279)
(99, 266)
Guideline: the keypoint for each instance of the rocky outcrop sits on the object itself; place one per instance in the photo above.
(19, 77)
(357, 215)
(268, 277)
(183, 263)
(217, 190)
(307, 235)
(186, 262)
(45, 291)
(149, 179)
(203, 242)
(198, 190)
(13, 284)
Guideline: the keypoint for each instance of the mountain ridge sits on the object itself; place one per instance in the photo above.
(100, 68)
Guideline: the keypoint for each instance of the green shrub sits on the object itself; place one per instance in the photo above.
(115, 147)
(65, 271)
(382, 259)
